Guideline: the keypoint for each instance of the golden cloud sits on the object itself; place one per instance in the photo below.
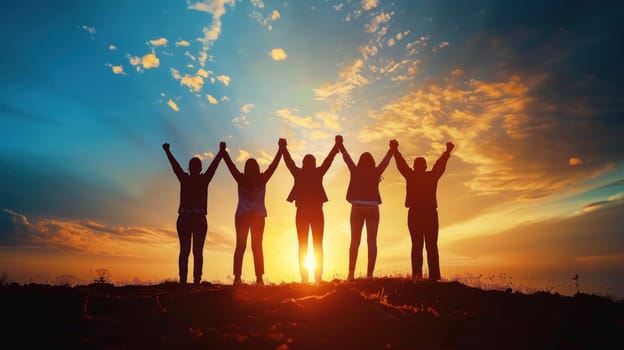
(224, 79)
(182, 43)
(159, 42)
(278, 54)
(173, 105)
(150, 61)
(211, 99)
(194, 83)
(118, 69)
(575, 161)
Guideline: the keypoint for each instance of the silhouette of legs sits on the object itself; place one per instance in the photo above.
(431, 244)
(244, 224)
(360, 215)
(372, 225)
(191, 230)
(310, 218)
(257, 231)
(423, 227)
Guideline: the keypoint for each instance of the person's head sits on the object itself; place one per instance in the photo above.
(309, 162)
(420, 164)
(366, 161)
(252, 169)
(195, 166)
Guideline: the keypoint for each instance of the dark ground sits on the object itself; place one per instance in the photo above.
(386, 313)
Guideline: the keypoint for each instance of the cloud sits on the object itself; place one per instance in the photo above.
(266, 21)
(150, 61)
(339, 92)
(112, 47)
(246, 108)
(88, 237)
(257, 3)
(90, 30)
(205, 155)
(500, 129)
(241, 119)
(146, 62)
(243, 155)
(217, 9)
(194, 83)
(574, 161)
(159, 42)
(182, 43)
(118, 70)
(278, 54)
(377, 21)
(368, 5)
(224, 79)
(295, 120)
(338, 7)
(203, 73)
(211, 99)
(173, 105)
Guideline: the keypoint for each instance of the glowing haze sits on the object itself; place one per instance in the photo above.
(530, 93)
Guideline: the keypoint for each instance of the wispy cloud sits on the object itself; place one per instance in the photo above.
(217, 8)
(211, 99)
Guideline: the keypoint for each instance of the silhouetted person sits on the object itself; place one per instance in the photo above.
(422, 216)
(363, 194)
(309, 195)
(191, 223)
(250, 211)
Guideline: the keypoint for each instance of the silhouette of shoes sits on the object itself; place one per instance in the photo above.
(417, 279)
(350, 278)
(237, 282)
(259, 281)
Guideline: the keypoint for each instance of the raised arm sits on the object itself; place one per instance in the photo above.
(290, 164)
(440, 165)
(385, 161)
(177, 169)
(345, 155)
(330, 157)
(401, 164)
(212, 168)
(266, 175)
(236, 174)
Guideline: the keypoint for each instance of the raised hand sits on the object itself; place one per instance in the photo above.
(281, 142)
(338, 140)
(165, 146)
(221, 146)
(394, 145)
(449, 146)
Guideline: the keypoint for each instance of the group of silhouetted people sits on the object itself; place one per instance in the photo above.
(308, 196)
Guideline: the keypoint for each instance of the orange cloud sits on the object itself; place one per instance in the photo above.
(574, 161)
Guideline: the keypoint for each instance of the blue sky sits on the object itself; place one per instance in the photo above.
(531, 93)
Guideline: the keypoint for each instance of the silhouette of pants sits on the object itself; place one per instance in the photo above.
(244, 224)
(361, 214)
(310, 218)
(423, 228)
(191, 230)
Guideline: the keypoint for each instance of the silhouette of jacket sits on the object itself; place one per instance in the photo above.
(422, 186)
(193, 188)
(251, 194)
(364, 184)
(308, 184)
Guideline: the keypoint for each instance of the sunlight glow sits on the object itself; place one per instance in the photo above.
(310, 263)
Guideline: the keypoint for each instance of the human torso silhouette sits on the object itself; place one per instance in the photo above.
(308, 188)
(193, 193)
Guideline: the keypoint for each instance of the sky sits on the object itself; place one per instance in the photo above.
(530, 92)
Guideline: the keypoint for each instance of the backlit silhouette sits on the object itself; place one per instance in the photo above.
(309, 195)
(191, 224)
(363, 194)
(250, 211)
(422, 217)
